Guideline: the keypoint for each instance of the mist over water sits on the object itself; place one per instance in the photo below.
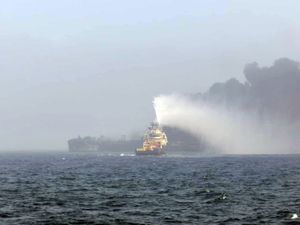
(231, 132)
(257, 117)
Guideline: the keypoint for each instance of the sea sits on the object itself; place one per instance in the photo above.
(68, 188)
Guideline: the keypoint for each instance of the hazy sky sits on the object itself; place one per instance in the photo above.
(92, 67)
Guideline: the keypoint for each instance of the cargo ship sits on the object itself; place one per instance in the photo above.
(155, 141)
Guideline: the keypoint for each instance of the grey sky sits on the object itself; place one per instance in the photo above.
(92, 67)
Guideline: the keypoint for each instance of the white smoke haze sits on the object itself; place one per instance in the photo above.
(230, 131)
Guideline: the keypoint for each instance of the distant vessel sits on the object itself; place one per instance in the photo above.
(155, 140)
(178, 142)
(103, 145)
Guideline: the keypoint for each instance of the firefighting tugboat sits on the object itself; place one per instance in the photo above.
(155, 140)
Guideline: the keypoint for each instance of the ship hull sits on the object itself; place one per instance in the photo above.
(154, 152)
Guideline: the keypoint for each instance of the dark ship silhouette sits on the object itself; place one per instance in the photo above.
(178, 142)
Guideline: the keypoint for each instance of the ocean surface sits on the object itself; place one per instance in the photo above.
(93, 189)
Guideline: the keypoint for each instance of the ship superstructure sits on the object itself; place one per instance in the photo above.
(155, 139)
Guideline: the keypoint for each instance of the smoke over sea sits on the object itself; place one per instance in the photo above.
(261, 115)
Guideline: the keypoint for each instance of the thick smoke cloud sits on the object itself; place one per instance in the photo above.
(270, 91)
(259, 116)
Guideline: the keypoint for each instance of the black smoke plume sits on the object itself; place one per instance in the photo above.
(261, 115)
(271, 91)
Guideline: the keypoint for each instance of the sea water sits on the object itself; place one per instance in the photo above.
(93, 189)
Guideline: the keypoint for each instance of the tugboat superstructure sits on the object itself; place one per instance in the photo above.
(155, 140)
